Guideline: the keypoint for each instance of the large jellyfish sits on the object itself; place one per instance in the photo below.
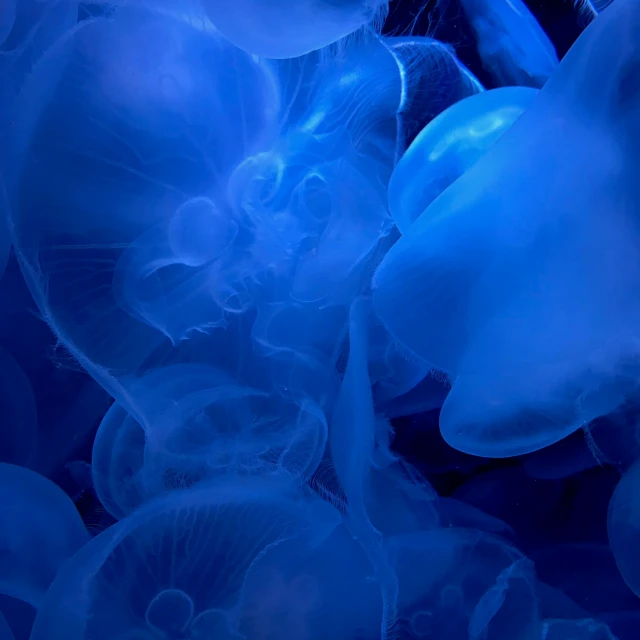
(151, 113)
(513, 46)
(449, 145)
(40, 529)
(234, 560)
(291, 28)
(520, 278)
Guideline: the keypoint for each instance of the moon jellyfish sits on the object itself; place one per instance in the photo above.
(40, 529)
(506, 296)
(509, 608)
(449, 599)
(513, 46)
(200, 564)
(623, 525)
(284, 29)
(450, 145)
(19, 426)
(139, 135)
(432, 79)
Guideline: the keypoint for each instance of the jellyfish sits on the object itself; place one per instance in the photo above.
(539, 336)
(19, 428)
(200, 563)
(433, 78)
(132, 150)
(41, 528)
(283, 29)
(509, 608)
(449, 145)
(513, 46)
(623, 526)
(450, 599)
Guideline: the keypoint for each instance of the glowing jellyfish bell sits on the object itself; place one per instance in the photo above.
(450, 145)
(520, 279)
(287, 29)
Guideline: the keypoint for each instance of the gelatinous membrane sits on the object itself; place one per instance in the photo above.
(513, 46)
(230, 560)
(455, 596)
(496, 283)
(284, 29)
(352, 442)
(450, 145)
(19, 424)
(623, 525)
(41, 528)
(433, 78)
(146, 122)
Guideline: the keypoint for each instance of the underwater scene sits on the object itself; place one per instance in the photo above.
(320, 320)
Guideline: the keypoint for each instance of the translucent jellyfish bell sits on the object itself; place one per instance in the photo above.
(497, 281)
(450, 145)
(284, 29)
(513, 46)
(132, 149)
(40, 529)
(190, 565)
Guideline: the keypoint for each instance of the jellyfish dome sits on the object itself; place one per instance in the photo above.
(138, 134)
(232, 560)
(287, 29)
(449, 145)
(40, 529)
(496, 284)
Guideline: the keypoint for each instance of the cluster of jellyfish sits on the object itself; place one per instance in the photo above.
(309, 331)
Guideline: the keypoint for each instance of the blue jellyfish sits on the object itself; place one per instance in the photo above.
(506, 296)
(19, 427)
(513, 46)
(223, 560)
(449, 145)
(623, 525)
(41, 528)
(140, 132)
(471, 581)
(284, 29)
(433, 78)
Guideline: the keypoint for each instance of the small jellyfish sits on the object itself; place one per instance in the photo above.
(623, 525)
(450, 145)
(285, 29)
(506, 296)
(513, 46)
(41, 528)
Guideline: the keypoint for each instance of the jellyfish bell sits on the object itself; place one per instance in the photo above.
(450, 145)
(285, 29)
(506, 293)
